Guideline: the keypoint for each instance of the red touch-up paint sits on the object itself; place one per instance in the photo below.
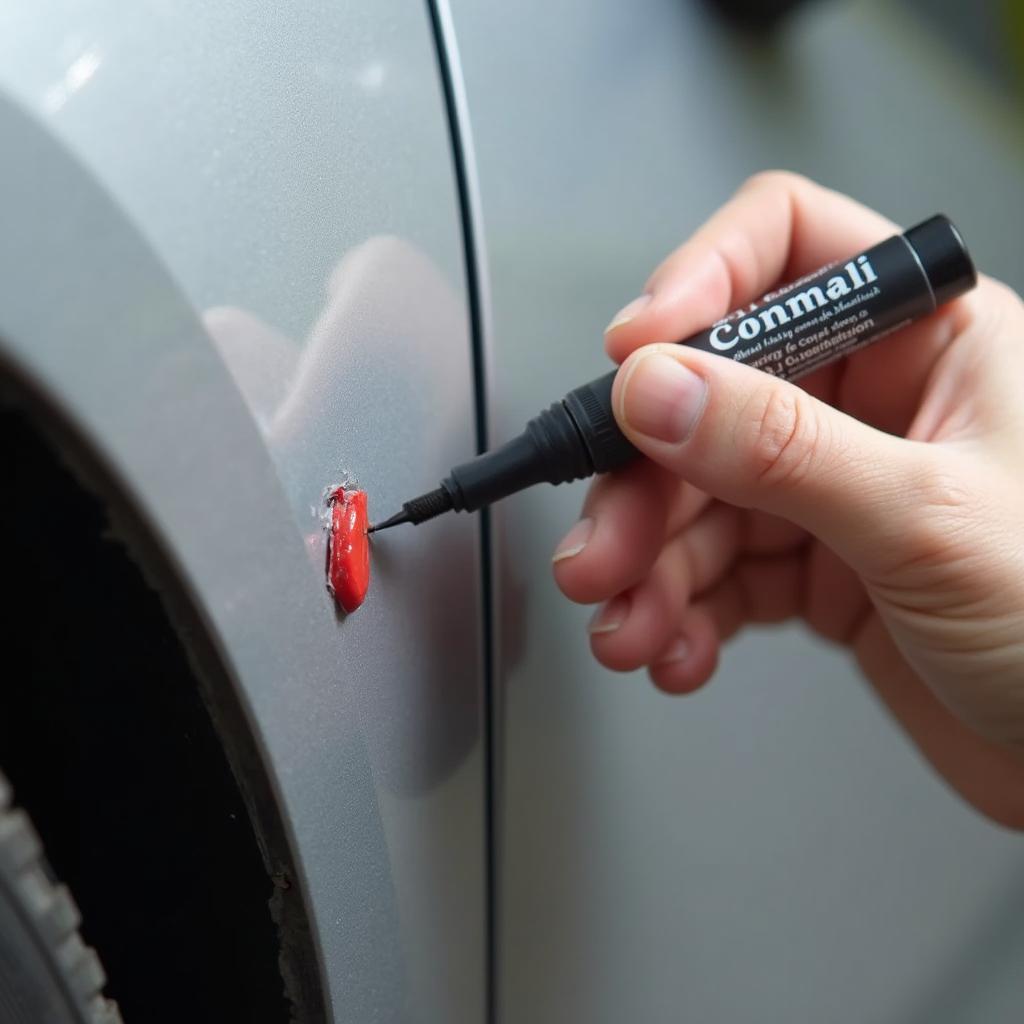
(348, 553)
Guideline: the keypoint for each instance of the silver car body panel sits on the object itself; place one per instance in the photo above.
(274, 300)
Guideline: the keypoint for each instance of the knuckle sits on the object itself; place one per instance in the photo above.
(937, 523)
(947, 492)
(783, 437)
(945, 504)
(738, 259)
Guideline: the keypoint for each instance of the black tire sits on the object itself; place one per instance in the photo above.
(47, 974)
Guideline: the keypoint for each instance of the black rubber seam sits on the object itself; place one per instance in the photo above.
(476, 322)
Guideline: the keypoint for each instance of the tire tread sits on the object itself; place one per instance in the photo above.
(52, 911)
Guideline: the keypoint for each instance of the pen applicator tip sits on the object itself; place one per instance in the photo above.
(419, 510)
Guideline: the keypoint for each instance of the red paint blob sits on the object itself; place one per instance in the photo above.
(348, 552)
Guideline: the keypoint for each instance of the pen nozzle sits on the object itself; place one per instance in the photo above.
(428, 505)
(419, 510)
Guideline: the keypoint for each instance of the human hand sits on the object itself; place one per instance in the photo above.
(881, 501)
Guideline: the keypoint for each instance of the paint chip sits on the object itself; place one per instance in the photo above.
(348, 550)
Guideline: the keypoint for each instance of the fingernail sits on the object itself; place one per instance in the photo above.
(575, 540)
(679, 651)
(662, 398)
(628, 312)
(609, 616)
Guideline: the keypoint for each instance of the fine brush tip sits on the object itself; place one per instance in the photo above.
(419, 510)
(395, 520)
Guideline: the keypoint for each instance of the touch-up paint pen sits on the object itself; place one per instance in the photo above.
(788, 333)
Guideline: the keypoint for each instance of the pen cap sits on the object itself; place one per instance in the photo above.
(944, 257)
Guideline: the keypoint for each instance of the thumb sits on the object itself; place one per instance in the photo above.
(760, 442)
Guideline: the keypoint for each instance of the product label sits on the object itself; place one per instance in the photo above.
(825, 315)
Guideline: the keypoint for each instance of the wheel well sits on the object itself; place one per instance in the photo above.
(122, 734)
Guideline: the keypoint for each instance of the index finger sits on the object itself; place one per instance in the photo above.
(777, 226)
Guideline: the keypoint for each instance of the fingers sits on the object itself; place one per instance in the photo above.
(883, 384)
(695, 592)
(975, 389)
(691, 658)
(777, 226)
(757, 590)
(636, 627)
(835, 601)
(759, 442)
(623, 525)
(628, 631)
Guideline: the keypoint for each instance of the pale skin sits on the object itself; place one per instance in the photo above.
(881, 500)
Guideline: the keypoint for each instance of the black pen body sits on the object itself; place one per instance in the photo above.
(788, 333)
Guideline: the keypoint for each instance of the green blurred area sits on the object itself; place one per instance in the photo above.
(989, 33)
(1014, 13)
